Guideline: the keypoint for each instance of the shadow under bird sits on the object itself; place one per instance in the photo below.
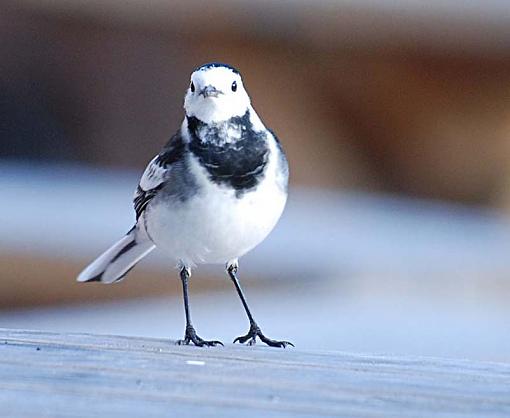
(213, 193)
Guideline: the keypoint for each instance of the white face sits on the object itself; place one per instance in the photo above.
(216, 94)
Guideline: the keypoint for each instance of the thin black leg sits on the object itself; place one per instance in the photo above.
(185, 274)
(190, 334)
(254, 331)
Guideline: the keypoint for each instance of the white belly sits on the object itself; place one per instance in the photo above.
(214, 226)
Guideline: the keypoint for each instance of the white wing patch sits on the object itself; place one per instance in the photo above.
(153, 175)
(150, 183)
(157, 172)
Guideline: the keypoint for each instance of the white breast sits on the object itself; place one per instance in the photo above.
(214, 226)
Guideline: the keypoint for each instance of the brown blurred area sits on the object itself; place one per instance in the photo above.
(391, 102)
(388, 111)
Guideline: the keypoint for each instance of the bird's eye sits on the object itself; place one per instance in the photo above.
(192, 87)
(234, 86)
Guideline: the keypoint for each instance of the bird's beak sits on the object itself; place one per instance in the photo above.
(210, 91)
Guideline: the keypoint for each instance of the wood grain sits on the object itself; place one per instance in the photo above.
(72, 375)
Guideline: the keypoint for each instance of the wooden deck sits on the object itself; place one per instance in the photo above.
(55, 375)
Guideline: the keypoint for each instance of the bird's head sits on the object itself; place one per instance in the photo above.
(216, 93)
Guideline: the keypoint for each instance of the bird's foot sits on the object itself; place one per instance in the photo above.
(254, 332)
(190, 336)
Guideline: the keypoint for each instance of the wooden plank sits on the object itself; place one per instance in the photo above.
(73, 375)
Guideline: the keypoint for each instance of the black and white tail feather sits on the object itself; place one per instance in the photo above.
(118, 260)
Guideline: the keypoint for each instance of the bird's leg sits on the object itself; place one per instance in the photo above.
(190, 334)
(254, 331)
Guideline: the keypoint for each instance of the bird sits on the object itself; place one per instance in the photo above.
(214, 192)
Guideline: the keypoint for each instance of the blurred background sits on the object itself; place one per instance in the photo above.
(396, 119)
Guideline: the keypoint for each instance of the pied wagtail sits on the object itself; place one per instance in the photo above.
(214, 192)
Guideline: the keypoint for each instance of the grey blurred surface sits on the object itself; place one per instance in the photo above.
(90, 375)
(327, 316)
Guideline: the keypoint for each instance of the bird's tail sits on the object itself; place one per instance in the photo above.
(115, 263)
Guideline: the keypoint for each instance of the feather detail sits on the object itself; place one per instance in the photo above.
(157, 172)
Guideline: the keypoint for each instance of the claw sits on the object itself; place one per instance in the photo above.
(192, 337)
(213, 343)
(254, 332)
(281, 344)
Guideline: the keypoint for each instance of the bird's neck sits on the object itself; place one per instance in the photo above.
(220, 133)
